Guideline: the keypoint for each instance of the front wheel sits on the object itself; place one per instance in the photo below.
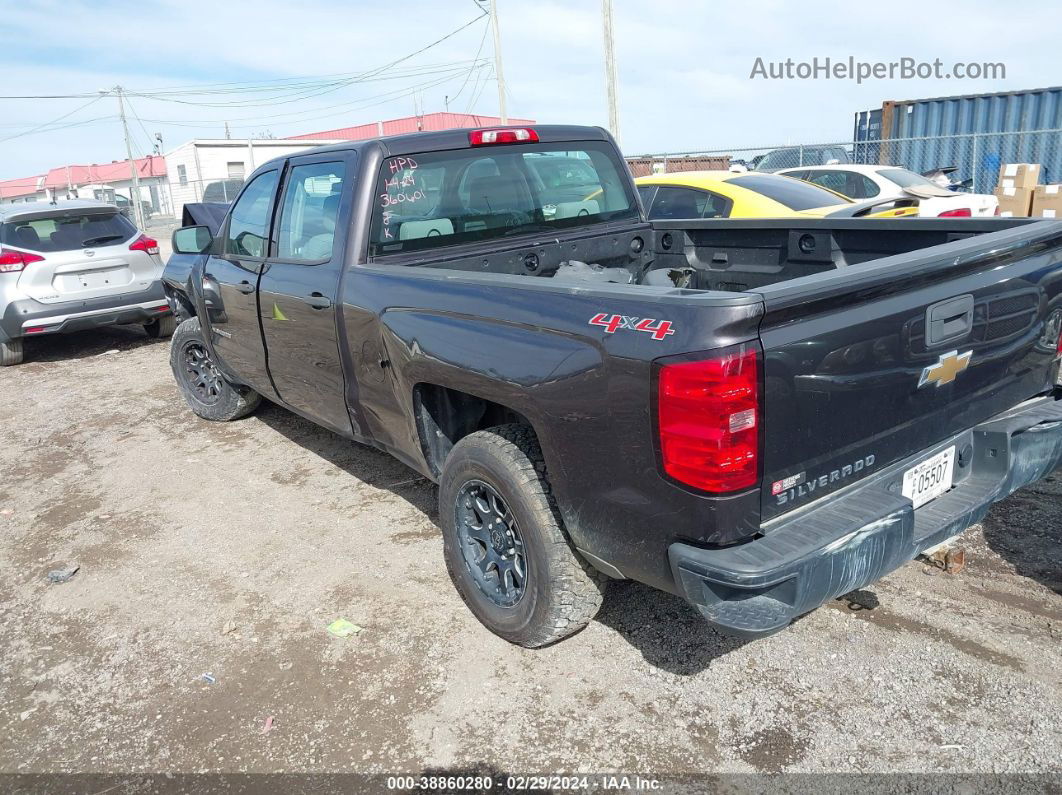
(205, 389)
(505, 548)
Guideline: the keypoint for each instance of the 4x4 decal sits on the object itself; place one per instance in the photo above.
(612, 323)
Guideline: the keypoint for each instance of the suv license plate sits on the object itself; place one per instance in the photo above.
(931, 478)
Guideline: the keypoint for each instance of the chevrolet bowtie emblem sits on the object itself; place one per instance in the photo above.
(945, 370)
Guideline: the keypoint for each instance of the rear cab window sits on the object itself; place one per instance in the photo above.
(793, 193)
(67, 232)
(437, 199)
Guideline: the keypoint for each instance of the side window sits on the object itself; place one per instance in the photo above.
(676, 202)
(853, 186)
(868, 188)
(715, 206)
(833, 180)
(645, 193)
(248, 234)
(308, 216)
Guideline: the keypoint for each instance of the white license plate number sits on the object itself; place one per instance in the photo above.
(931, 478)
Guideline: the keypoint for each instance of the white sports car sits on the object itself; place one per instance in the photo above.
(870, 182)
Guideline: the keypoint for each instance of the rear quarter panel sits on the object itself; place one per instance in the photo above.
(528, 345)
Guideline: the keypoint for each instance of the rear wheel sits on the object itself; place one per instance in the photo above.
(506, 549)
(205, 389)
(161, 327)
(10, 352)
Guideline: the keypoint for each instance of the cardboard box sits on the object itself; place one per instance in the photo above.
(1015, 202)
(1047, 201)
(1019, 175)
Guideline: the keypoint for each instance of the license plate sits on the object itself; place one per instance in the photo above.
(931, 478)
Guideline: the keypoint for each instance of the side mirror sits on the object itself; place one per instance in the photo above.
(833, 161)
(192, 240)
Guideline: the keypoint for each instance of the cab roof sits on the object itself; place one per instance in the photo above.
(412, 143)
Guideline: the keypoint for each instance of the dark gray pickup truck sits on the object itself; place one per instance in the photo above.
(756, 415)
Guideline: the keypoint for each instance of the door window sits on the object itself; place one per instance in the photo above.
(248, 234)
(833, 180)
(308, 216)
(679, 202)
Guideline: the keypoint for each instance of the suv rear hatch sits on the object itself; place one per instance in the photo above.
(84, 253)
(866, 366)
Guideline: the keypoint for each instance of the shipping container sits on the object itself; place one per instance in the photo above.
(975, 132)
(867, 133)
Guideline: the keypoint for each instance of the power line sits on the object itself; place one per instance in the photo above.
(304, 93)
(364, 102)
(482, 41)
(475, 97)
(150, 145)
(272, 85)
(40, 127)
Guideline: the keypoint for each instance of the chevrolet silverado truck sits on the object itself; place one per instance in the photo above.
(756, 415)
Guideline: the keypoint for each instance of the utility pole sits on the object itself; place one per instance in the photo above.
(610, 70)
(498, 73)
(138, 211)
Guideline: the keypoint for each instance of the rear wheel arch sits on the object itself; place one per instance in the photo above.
(444, 416)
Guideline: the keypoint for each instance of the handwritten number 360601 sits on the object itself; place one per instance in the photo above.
(388, 200)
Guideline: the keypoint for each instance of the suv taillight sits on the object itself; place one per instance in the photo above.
(708, 415)
(13, 261)
(962, 212)
(145, 243)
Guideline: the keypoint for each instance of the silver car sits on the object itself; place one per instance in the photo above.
(75, 265)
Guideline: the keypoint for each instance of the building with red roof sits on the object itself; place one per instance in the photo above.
(426, 122)
(21, 189)
(209, 169)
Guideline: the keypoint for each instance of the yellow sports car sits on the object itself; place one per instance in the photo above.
(750, 194)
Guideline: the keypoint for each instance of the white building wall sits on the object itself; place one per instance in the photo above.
(195, 164)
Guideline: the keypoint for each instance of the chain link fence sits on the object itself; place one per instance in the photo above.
(976, 157)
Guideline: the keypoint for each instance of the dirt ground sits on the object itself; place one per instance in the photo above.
(228, 549)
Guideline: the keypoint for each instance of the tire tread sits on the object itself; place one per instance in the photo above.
(577, 588)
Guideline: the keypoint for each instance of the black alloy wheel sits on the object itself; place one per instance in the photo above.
(490, 543)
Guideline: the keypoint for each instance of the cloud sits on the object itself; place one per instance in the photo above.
(683, 67)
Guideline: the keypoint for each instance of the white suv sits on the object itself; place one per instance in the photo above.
(74, 265)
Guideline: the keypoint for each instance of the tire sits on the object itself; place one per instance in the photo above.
(560, 591)
(207, 393)
(162, 327)
(10, 353)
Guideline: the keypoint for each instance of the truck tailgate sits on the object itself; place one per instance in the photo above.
(869, 364)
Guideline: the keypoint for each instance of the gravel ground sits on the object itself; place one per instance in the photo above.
(227, 550)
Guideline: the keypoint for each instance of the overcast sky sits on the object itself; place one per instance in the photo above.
(683, 66)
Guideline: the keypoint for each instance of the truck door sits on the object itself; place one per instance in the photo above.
(299, 284)
(230, 279)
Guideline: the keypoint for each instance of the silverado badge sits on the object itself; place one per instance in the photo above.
(945, 370)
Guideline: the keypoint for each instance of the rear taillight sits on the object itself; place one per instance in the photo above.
(998, 211)
(13, 261)
(145, 243)
(708, 414)
(962, 212)
(503, 135)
